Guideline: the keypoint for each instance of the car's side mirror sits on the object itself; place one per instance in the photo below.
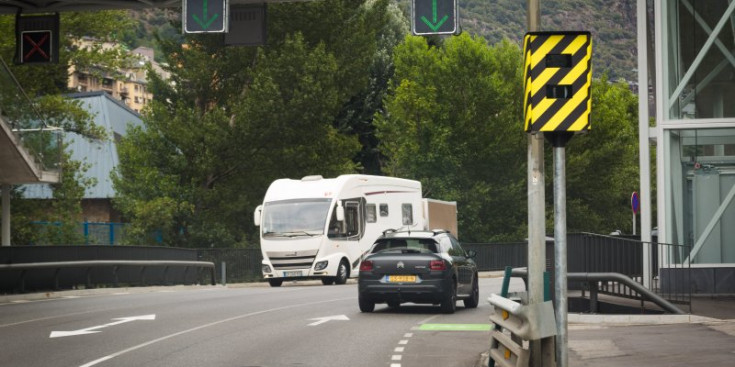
(471, 253)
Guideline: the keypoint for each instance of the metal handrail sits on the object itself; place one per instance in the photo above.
(596, 277)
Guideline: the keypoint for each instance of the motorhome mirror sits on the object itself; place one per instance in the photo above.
(340, 212)
(256, 215)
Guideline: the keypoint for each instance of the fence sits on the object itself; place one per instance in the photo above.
(670, 276)
(41, 268)
(587, 253)
(95, 233)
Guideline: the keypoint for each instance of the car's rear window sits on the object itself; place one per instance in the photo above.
(411, 243)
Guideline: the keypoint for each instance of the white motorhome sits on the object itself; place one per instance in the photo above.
(320, 228)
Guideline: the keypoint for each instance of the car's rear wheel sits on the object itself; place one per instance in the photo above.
(365, 305)
(449, 303)
(275, 282)
(343, 272)
(328, 281)
(474, 299)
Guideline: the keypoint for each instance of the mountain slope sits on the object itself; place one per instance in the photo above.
(611, 22)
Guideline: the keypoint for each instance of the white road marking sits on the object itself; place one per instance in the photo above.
(95, 329)
(200, 327)
(399, 349)
(396, 357)
(403, 342)
(321, 320)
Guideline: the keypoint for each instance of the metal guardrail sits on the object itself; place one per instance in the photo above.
(593, 280)
(114, 264)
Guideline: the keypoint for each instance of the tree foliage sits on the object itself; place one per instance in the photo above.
(44, 85)
(234, 119)
(453, 121)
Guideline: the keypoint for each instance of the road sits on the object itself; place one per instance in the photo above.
(298, 324)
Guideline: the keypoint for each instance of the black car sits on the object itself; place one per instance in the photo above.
(419, 267)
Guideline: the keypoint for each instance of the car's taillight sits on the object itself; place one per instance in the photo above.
(437, 265)
(366, 265)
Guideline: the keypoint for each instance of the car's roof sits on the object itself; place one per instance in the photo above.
(413, 234)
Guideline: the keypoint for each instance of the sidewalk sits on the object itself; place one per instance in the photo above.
(706, 337)
(703, 337)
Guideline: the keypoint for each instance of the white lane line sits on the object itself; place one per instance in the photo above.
(396, 357)
(407, 335)
(154, 341)
(395, 365)
(399, 349)
(403, 342)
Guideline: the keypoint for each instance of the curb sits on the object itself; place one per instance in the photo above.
(575, 318)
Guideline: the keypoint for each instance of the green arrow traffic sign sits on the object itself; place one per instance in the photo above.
(205, 16)
(434, 17)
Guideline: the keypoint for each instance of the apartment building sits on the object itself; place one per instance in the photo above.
(128, 85)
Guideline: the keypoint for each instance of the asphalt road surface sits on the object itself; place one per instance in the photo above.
(298, 324)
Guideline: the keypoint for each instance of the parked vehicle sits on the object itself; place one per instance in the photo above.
(419, 267)
(320, 228)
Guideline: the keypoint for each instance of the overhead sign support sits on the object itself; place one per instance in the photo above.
(37, 39)
(205, 16)
(434, 17)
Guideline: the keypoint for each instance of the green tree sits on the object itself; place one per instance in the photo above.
(44, 86)
(62, 216)
(602, 166)
(231, 120)
(453, 122)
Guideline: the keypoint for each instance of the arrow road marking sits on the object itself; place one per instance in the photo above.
(321, 320)
(94, 329)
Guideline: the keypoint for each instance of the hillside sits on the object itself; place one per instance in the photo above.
(611, 22)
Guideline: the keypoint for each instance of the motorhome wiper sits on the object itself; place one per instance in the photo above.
(297, 234)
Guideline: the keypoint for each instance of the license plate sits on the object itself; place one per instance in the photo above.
(292, 273)
(401, 279)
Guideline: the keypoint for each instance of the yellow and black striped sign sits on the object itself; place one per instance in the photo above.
(557, 76)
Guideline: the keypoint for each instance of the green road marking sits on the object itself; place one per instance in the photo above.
(455, 327)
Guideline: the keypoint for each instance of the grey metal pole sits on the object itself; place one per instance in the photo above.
(6, 215)
(536, 210)
(224, 273)
(536, 204)
(560, 255)
(644, 156)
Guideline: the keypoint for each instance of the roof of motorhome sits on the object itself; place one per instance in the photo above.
(317, 187)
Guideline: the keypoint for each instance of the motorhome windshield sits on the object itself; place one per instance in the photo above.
(293, 218)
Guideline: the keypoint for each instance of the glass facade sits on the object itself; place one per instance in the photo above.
(700, 186)
(696, 128)
(700, 63)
